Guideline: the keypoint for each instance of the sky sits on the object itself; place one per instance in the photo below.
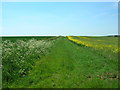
(59, 18)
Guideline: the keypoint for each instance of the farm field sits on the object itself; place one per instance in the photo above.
(60, 62)
(25, 38)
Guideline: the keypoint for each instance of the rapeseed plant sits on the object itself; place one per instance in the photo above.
(113, 48)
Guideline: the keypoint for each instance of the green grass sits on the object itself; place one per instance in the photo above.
(69, 65)
(19, 57)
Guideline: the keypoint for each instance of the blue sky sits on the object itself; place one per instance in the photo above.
(59, 18)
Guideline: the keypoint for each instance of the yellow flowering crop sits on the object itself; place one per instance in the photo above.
(113, 48)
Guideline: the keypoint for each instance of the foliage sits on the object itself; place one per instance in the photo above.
(19, 57)
(97, 43)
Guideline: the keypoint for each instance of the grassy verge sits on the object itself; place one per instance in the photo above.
(18, 57)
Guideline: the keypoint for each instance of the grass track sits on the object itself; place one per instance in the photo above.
(70, 66)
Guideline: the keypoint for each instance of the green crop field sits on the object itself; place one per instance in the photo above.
(25, 38)
(60, 62)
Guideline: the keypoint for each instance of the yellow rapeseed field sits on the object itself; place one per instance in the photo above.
(113, 48)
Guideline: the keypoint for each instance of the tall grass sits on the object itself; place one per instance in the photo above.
(19, 57)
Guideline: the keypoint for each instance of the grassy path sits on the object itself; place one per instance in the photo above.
(70, 66)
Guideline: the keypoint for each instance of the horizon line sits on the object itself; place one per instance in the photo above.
(61, 35)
